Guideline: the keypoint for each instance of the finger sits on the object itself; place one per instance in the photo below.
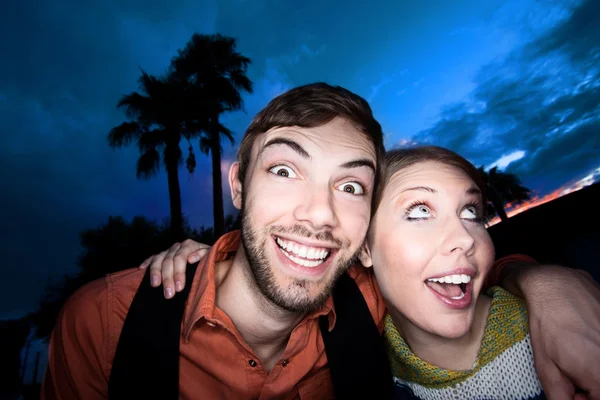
(588, 379)
(179, 267)
(555, 384)
(183, 256)
(146, 262)
(189, 250)
(155, 268)
(167, 271)
(198, 254)
(582, 396)
(179, 275)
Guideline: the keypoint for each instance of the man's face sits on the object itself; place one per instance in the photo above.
(305, 206)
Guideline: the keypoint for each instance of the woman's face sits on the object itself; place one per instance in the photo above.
(429, 247)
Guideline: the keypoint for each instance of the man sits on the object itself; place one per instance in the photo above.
(307, 174)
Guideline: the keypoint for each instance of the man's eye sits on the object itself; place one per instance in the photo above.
(351, 188)
(283, 171)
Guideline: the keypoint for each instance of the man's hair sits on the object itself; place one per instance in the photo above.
(398, 159)
(311, 106)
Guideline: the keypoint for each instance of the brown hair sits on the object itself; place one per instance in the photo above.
(398, 159)
(310, 106)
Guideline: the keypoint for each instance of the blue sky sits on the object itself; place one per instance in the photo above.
(497, 81)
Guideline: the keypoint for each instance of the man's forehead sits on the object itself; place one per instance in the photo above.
(335, 136)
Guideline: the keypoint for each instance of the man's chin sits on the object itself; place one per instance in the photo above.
(299, 296)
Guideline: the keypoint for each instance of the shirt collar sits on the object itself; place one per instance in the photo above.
(201, 300)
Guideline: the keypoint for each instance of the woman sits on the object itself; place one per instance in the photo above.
(430, 251)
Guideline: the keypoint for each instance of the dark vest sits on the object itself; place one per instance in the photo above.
(146, 363)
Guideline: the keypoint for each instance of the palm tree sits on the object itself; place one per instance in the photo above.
(216, 73)
(156, 124)
(503, 188)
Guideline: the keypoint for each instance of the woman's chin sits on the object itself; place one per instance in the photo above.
(452, 328)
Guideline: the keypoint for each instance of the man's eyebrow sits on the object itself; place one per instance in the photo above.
(423, 188)
(286, 142)
(363, 162)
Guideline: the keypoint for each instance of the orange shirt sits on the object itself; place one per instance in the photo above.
(215, 360)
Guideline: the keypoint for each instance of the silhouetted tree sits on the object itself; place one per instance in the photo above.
(503, 188)
(13, 335)
(216, 73)
(114, 246)
(157, 126)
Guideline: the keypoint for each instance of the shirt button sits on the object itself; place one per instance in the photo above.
(252, 363)
(285, 362)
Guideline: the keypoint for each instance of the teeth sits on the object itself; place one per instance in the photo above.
(296, 249)
(455, 279)
(301, 261)
(458, 297)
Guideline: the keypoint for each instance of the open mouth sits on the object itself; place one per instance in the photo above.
(306, 256)
(451, 286)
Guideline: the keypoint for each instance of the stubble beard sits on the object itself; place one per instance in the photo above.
(295, 297)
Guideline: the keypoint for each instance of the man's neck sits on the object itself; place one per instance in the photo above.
(265, 327)
(457, 354)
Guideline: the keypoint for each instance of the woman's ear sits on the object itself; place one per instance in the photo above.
(365, 255)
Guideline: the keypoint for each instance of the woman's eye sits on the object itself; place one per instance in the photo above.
(469, 212)
(351, 188)
(283, 171)
(419, 211)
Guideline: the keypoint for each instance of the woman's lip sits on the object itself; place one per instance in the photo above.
(456, 304)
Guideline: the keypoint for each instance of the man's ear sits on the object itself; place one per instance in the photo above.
(235, 185)
(365, 255)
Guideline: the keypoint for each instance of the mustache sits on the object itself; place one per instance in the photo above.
(303, 231)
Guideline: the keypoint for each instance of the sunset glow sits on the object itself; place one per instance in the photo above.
(562, 191)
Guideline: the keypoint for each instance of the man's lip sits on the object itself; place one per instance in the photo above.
(313, 272)
(308, 242)
(457, 271)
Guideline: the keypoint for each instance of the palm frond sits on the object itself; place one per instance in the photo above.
(152, 139)
(135, 105)
(148, 164)
(125, 133)
(172, 155)
(223, 131)
(205, 144)
(190, 162)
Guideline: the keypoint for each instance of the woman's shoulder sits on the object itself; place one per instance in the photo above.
(507, 324)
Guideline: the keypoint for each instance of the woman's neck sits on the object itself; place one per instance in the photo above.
(456, 354)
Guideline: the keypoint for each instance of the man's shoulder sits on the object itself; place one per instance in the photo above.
(366, 282)
(364, 277)
(122, 284)
(100, 306)
(92, 318)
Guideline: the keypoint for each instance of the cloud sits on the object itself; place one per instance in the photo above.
(377, 87)
(542, 100)
(506, 160)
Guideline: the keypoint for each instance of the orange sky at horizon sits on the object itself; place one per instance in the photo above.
(537, 200)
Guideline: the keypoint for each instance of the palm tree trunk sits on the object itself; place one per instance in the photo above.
(174, 198)
(215, 149)
(499, 207)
